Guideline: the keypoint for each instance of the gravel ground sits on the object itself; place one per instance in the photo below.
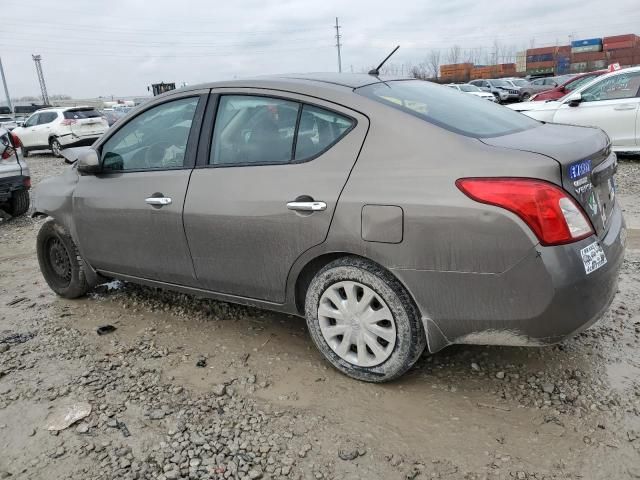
(192, 388)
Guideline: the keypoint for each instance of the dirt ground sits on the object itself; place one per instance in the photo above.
(191, 388)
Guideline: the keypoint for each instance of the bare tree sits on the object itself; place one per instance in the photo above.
(419, 71)
(454, 55)
(433, 63)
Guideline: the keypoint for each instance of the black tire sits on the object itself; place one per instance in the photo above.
(525, 97)
(60, 263)
(19, 203)
(55, 146)
(410, 336)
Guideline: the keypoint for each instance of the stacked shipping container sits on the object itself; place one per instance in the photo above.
(457, 72)
(622, 49)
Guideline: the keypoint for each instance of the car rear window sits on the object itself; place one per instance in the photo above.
(78, 114)
(464, 114)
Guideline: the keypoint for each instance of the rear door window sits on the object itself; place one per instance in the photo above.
(47, 117)
(253, 130)
(318, 130)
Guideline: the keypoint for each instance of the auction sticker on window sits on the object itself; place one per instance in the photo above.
(593, 257)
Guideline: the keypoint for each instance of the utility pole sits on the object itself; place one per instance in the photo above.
(338, 45)
(6, 89)
(43, 86)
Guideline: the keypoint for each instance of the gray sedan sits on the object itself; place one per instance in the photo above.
(394, 214)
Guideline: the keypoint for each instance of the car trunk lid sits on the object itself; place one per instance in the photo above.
(587, 165)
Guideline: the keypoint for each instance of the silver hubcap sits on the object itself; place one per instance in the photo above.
(55, 147)
(357, 324)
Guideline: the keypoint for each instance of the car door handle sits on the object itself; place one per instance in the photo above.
(158, 201)
(307, 206)
(625, 107)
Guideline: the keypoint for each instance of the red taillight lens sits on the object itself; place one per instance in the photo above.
(16, 140)
(27, 182)
(8, 152)
(68, 121)
(553, 216)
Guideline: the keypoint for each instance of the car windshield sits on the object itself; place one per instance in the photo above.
(469, 88)
(501, 83)
(578, 82)
(463, 114)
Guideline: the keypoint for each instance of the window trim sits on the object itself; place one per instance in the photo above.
(192, 141)
(208, 128)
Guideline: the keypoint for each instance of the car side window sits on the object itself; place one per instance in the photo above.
(155, 139)
(47, 117)
(32, 120)
(253, 130)
(626, 85)
(318, 130)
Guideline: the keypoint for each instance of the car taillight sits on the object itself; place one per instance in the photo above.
(27, 182)
(547, 209)
(16, 140)
(8, 152)
(68, 121)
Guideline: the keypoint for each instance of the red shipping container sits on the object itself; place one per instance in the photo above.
(621, 38)
(619, 45)
(533, 65)
(564, 49)
(615, 55)
(588, 57)
(541, 51)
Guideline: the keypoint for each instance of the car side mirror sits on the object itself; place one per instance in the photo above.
(575, 99)
(89, 162)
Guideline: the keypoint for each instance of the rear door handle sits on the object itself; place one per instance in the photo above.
(158, 201)
(307, 206)
(625, 107)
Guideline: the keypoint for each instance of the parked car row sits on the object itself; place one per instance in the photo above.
(610, 101)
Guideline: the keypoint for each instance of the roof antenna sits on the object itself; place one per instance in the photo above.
(376, 71)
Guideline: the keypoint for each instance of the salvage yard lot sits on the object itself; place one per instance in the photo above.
(192, 388)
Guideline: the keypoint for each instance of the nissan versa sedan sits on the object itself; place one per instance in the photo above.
(394, 214)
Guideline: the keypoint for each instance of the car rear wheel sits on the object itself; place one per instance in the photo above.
(56, 148)
(363, 320)
(60, 263)
(525, 97)
(19, 203)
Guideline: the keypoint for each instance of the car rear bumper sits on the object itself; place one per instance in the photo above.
(543, 299)
(68, 141)
(8, 185)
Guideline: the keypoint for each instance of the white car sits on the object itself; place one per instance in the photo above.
(60, 128)
(611, 102)
(473, 90)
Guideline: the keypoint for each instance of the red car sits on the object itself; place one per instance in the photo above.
(568, 86)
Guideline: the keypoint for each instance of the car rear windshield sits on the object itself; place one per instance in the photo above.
(463, 114)
(77, 114)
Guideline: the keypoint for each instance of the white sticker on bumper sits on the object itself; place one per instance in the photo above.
(593, 257)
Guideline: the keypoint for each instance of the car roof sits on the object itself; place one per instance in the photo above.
(64, 109)
(329, 80)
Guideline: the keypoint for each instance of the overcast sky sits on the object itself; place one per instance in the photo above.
(95, 47)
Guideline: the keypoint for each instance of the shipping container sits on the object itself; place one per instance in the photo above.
(630, 37)
(543, 57)
(579, 67)
(588, 48)
(521, 62)
(620, 45)
(540, 70)
(586, 42)
(541, 51)
(597, 65)
(563, 50)
(623, 53)
(563, 69)
(588, 57)
(549, 64)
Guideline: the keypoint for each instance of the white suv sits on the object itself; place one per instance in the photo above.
(59, 128)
